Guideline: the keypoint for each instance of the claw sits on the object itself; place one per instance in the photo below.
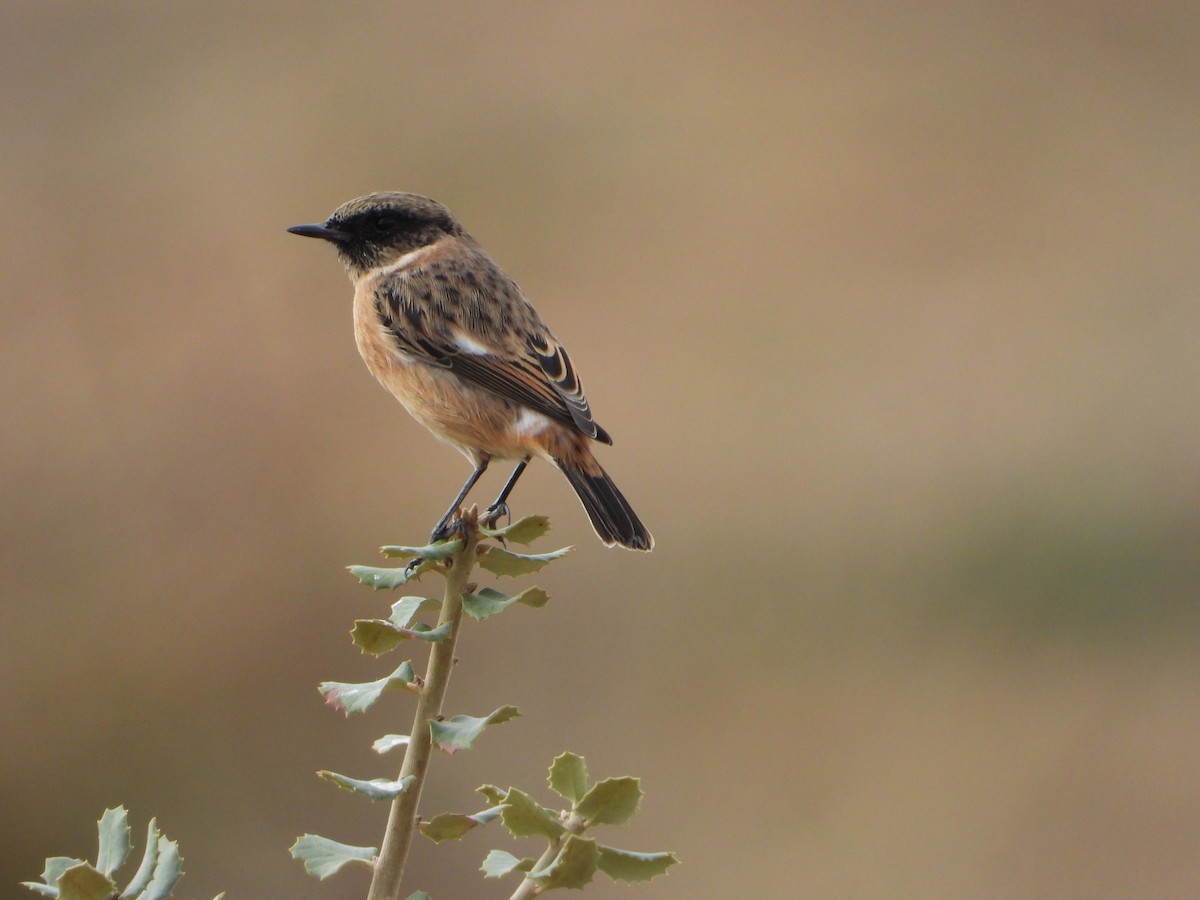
(445, 530)
(494, 514)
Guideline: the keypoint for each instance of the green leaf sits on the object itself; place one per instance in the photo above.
(430, 552)
(53, 870)
(572, 868)
(431, 635)
(499, 863)
(505, 562)
(523, 816)
(145, 871)
(568, 776)
(610, 802)
(378, 636)
(460, 732)
(55, 866)
(488, 601)
(323, 857)
(386, 578)
(405, 608)
(492, 794)
(524, 531)
(452, 826)
(356, 698)
(625, 865)
(114, 840)
(375, 789)
(390, 742)
(82, 882)
(168, 869)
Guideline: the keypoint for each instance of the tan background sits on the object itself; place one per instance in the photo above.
(892, 311)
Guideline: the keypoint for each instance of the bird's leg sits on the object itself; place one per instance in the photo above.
(442, 529)
(500, 508)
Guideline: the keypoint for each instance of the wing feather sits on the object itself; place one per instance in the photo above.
(537, 373)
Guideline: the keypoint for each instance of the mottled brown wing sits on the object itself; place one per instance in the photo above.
(541, 377)
(552, 360)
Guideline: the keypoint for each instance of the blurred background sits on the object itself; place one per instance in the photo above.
(892, 310)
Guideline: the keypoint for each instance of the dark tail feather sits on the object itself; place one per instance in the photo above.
(612, 516)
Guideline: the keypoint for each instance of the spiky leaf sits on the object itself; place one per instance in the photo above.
(524, 531)
(82, 882)
(611, 801)
(523, 816)
(626, 865)
(494, 795)
(460, 732)
(452, 826)
(499, 863)
(55, 866)
(430, 635)
(505, 562)
(568, 776)
(115, 845)
(323, 857)
(145, 870)
(168, 869)
(378, 636)
(432, 552)
(572, 868)
(405, 608)
(488, 602)
(390, 742)
(357, 698)
(375, 789)
(386, 578)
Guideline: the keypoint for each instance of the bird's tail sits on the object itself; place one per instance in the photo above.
(612, 516)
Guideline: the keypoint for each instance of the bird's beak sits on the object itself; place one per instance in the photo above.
(333, 235)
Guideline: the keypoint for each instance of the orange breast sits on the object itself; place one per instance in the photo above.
(472, 419)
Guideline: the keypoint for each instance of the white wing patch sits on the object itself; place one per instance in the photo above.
(530, 422)
(468, 344)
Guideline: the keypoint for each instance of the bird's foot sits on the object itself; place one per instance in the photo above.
(494, 514)
(446, 529)
(443, 531)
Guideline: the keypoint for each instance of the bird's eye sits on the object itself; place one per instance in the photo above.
(385, 223)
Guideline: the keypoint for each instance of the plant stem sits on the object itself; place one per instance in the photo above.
(402, 820)
(528, 889)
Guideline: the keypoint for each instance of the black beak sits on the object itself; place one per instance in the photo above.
(333, 235)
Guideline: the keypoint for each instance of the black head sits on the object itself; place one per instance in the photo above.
(380, 228)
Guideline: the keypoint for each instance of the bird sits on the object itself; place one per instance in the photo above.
(453, 338)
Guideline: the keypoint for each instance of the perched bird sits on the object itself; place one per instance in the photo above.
(453, 338)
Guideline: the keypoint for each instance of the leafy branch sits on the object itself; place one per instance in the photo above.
(572, 856)
(75, 879)
(570, 859)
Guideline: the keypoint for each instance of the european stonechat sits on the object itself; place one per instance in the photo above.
(454, 339)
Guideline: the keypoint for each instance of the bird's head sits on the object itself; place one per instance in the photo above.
(379, 229)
